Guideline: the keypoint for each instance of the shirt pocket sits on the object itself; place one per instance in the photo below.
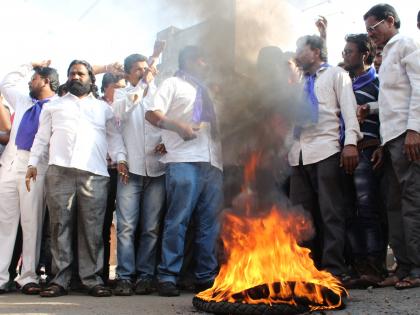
(95, 117)
(393, 76)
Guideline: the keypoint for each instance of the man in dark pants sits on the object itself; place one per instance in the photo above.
(399, 104)
(315, 154)
(78, 130)
(110, 82)
(366, 230)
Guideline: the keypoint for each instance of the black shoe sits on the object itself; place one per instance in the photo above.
(168, 289)
(198, 287)
(54, 290)
(124, 288)
(144, 287)
(100, 291)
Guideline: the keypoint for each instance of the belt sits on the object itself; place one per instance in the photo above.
(368, 143)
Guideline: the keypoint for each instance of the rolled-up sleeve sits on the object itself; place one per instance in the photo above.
(125, 101)
(163, 97)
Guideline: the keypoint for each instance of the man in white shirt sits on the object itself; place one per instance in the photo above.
(399, 114)
(18, 204)
(315, 153)
(141, 197)
(78, 130)
(183, 109)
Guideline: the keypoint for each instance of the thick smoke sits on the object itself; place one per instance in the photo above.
(250, 84)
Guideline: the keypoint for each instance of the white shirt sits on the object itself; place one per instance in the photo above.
(11, 87)
(79, 133)
(175, 99)
(140, 137)
(399, 91)
(333, 89)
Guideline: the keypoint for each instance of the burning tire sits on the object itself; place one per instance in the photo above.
(247, 309)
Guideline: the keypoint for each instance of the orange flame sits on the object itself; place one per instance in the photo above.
(264, 251)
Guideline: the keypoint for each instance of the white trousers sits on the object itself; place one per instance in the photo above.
(16, 202)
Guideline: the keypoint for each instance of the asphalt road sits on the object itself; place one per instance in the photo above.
(361, 302)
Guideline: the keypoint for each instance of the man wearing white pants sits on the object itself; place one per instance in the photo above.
(16, 202)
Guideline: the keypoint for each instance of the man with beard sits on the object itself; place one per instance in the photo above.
(315, 179)
(399, 114)
(78, 129)
(183, 109)
(366, 231)
(17, 203)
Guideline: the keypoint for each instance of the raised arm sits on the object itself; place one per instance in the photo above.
(10, 87)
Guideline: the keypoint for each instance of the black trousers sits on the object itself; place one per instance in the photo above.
(110, 208)
(404, 207)
(318, 189)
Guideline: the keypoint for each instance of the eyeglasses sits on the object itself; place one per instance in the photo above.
(373, 27)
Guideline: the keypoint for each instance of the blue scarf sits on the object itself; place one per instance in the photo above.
(29, 125)
(203, 109)
(311, 105)
(364, 79)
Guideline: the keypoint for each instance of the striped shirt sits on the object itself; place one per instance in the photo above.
(367, 94)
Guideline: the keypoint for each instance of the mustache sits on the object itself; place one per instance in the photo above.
(78, 88)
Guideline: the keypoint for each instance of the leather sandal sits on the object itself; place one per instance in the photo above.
(31, 288)
(408, 283)
(53, 290)
(100, 291)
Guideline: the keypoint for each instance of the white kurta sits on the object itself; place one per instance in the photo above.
(16, 202)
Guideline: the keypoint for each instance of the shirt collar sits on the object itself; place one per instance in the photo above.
(69, 95)
(393, 39)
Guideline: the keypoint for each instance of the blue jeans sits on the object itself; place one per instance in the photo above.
(193, 191)
(366, 228)
(143, 199)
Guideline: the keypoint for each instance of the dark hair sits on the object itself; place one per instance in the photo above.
(418, 16)
(132, 59)
(365, 45)
(315, 42)
(109, 78)
(93, 87)
(188, 53)
(382, 11)
(51, 74)
(62, 89)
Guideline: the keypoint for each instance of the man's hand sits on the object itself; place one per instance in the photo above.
(412, 145)
(186, 131)
(349, 158)
(322, 25)
(150, 73)
(122, 169)
(41, 64)
(377, 158)
(30, 174)
(160, 149)
(115, 68)
(362, 112)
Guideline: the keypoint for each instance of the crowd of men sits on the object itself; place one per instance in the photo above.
(153, 153)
